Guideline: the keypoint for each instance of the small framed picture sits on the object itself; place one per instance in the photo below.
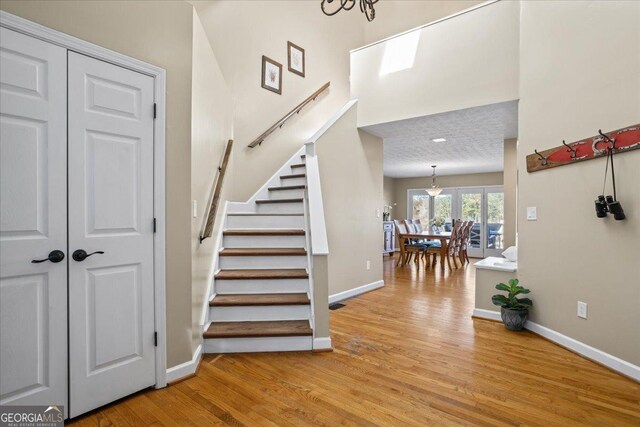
(295, 56)
(271, 75)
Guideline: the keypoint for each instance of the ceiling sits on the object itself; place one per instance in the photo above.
(474, 141)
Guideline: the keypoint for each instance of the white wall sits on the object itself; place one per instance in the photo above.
(241, 32)
(463, 62)
(580, 71)
(211, 128)
(393, 17)
(351, 175)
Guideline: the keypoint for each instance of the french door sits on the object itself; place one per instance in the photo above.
(471, 208)
(76, 228)
(482, 205)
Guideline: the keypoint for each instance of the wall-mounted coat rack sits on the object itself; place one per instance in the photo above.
(621, 140)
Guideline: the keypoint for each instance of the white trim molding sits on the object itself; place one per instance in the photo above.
(323, 343)
(340, 296)
(612, 362)
(75, 44)
(487, 314)
(187, 368)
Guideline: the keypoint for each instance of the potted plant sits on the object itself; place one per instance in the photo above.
(437, 224)
(514, 311)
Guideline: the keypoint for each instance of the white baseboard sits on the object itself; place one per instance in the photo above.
(355, 291)
(322, 343)
(615, 363)
(185, 369)
(487, 314)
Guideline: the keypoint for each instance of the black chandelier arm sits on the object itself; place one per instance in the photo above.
(366, 7)
(344, 4)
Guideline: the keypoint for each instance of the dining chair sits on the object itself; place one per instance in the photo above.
(454, 243)
(466, 241)
(408, 248)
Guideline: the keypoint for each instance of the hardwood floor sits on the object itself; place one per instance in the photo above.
(408, 354)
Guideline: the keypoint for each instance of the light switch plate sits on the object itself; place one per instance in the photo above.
(195, 209)
(532, 213)
(582, 309)
(377, 213)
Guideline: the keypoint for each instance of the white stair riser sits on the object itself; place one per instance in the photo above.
(261, 286)
(286, 194)
(264, 221)
(259, 313)
(293, 181)
(264, 241)
(261, 262)
(252, 345)
(295, 171)
(296, 207)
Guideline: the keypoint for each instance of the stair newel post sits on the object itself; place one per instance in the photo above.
(318, 250)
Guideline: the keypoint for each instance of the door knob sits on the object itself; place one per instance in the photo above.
(54, 256)
(81, 254)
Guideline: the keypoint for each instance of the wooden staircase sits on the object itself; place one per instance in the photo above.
(261, 298)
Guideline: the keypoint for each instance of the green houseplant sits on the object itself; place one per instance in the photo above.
(514, 311)
(437, 224)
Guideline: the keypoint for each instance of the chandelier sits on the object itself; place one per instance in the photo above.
(366, 7)
(434, 190)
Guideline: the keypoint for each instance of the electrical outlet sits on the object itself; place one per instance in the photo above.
(582, 309)
(368, 265)
(195, 209)
(532, 214)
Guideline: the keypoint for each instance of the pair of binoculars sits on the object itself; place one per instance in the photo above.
(605, 205)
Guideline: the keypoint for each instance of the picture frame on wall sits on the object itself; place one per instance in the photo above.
(295, 59)
(271, 75)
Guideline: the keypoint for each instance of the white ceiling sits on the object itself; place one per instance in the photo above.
(475, 141)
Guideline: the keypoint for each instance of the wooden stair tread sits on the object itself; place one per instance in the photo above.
(263, 252)
(258, 232)
(288, 187)
(265, 201)
(280, 328)
(283, 273)
(259, 299)
(298, 165)
(296, 175)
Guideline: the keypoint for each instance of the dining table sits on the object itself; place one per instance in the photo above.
(442, 236)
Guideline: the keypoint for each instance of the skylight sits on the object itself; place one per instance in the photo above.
(400, 53)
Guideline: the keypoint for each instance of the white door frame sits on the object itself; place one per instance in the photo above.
(38, 31)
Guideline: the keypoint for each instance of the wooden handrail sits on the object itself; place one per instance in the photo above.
(215, 200)
(279, 123)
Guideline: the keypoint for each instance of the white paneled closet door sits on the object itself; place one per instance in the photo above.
(33, 221)
(111, 294)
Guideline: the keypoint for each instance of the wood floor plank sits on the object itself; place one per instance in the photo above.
(406, 354)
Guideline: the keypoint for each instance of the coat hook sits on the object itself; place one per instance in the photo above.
(543, 159)
(609, 140)
(570, 149)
